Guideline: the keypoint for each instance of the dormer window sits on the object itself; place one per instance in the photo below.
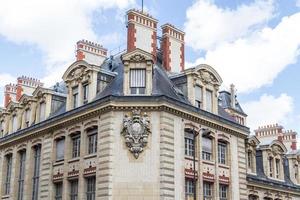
(137, 81)
(27, 118)
(271, 166)
(75, 96)
(1, 128)
(14, 123)
(42, 113)
(277, 165)
(209, 101)
(85, 88)
(198, 96)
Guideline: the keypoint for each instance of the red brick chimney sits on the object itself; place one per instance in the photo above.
(91, 52)
(10, 92)
(173, 48)
(141, 32)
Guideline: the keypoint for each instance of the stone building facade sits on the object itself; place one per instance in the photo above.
(136, 125)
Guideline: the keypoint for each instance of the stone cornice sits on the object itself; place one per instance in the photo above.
(126, 103)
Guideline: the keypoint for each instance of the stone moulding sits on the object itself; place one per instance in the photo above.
(136, 131)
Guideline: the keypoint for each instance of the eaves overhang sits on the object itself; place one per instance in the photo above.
(112, 102)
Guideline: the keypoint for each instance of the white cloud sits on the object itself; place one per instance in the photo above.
(208, 25)
(54, 26)
(269, 110)
(255, 60)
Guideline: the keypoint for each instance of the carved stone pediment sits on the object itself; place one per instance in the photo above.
(207, 77)
(137, 56)
(136, 131)
(78, 73)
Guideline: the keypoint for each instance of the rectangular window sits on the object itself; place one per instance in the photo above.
(42, 111)
(74, 190)
(207, 191)
(27, 118)
(36, 172)
(222, 150)
(206, 148)
(189, 187)
(209, 99)
(223, 192)
(92, 140)
(15, 123)
(189, 144)
(249, 155)
(277, 162)
(137, 81)
(75, 97)
(76, 146)
(8, 174)
(85, 93)
(90, 188)
(22, 155)
(271, 166)
(60, 149)
(58, 191)
(198, 96)
(1, 129)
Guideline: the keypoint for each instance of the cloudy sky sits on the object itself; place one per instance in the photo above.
(254, 44)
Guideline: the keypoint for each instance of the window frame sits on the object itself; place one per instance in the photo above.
(189, 187)
(222, 152)
(21, 177)
(74, 190)
(60, 143)
(138, 88)
(58, 191)
(76, 140)
(91, 188)
(75, 96)
(91, 140)
(36, 171)
(189, 144)
(85, 93)
(207, 188)
(206, 155)
(223, 192)
(7, 183)
(199, 101)
(207, 107)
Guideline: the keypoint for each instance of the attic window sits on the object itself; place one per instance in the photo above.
(137, 81)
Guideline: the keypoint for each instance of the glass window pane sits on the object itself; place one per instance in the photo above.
(209, 98)
(60, 149)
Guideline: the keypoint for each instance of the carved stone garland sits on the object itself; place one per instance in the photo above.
(136, 131)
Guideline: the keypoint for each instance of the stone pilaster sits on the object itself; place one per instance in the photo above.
(167, 180)
(105, 147)
(242, 169)
(46, 186)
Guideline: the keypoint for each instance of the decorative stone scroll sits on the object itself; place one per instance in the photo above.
(136, 131)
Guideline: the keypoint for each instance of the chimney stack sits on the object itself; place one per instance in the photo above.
(173, 48)
(10, 93)
(91, 52)
(141, 32)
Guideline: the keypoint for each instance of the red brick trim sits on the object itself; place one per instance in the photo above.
(80, 55)
(131, 37)
(182, 57)
(166, 53)
(154, 45)
(19, 92)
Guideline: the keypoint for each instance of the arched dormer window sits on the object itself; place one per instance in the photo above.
(138, 67)
(251, 144)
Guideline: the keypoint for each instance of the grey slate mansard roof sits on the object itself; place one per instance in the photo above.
(261, 177)
(225, 102)
(163, 90)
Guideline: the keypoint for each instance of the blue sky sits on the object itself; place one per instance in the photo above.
(251, 43)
